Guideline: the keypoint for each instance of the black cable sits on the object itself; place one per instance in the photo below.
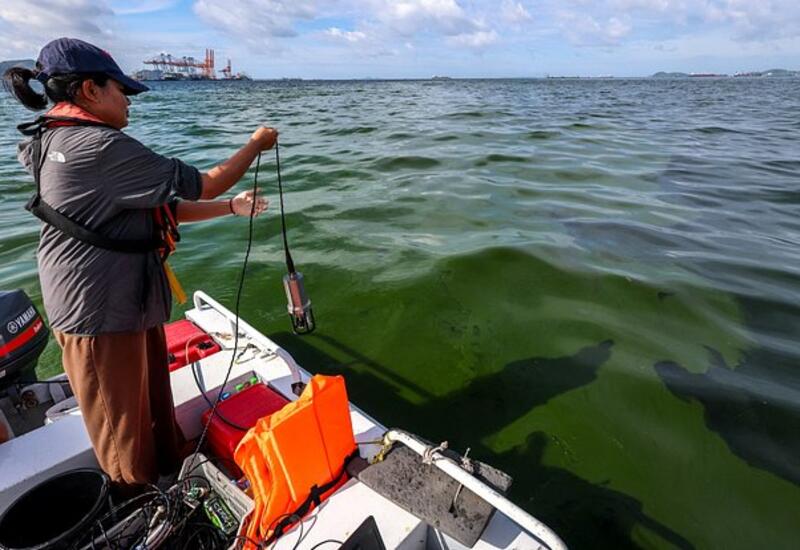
(32, 382)
(241, 538)
(178, 532)
(105, 535)
(299, 538)
(202, 479)
(149, 516)
(123, 505)
(274, 524)
(210, 404)
(290, 267)
(151, 495)
(289, 261)
(236, 310)
(213, 536)
(326, 542)
(212, 460)
(176, 515)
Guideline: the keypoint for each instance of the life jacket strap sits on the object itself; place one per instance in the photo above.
(71, 228)
(315, 498)
(65, 224)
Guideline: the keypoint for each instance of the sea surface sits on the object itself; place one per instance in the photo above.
(592, 284)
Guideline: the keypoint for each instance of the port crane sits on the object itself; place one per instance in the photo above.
(188, 66)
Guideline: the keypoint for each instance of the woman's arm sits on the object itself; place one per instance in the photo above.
(240, 205)
(221, 178)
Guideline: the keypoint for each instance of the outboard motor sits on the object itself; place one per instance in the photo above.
(23, 336)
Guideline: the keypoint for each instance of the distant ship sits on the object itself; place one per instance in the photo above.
(706, 75)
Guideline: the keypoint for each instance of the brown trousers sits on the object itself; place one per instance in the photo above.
(121, 382)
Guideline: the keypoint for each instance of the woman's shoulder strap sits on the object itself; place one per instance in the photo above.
(43, 122)
(32, 128)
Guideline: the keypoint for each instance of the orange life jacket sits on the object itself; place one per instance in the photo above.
(65, 111)
(295, 458)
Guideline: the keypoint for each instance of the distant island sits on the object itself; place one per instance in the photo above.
(771, 73)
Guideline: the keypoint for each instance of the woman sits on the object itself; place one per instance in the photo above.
(109, 205)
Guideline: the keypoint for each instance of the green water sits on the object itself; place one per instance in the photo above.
(591, 284)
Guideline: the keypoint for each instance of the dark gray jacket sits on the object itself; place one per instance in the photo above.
(109, 182)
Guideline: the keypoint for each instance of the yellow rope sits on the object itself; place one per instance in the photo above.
(175, 284)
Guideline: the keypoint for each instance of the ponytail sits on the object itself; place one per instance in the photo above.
(61, 87)
(16, 81)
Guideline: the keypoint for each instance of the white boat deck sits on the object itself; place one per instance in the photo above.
(62, 445)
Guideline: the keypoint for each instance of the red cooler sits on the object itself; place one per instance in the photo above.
(184, 336)
(243, 409)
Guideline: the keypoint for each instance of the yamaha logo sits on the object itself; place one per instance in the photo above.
(21, 320)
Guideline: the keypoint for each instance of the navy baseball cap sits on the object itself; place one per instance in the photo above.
(73, 56)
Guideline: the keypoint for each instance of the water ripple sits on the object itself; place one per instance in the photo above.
(592, 283)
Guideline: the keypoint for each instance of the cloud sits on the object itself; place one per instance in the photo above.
(514, 13)
(758, 20)
(26, 25)
(746, 19)
(583, 29)
(410, 17)
(390, 18)
(347, 36)
(256, 22)
(425, 21)
(131, 7)
(421, 35)
(477, 40)
(389, 21)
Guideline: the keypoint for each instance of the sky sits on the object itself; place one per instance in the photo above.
(423, 38)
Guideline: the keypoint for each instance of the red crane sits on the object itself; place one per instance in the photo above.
(227, 71)
(185, 65)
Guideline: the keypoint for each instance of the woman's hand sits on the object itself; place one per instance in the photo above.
(242, 204)
(265, 138)
(222, 177)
